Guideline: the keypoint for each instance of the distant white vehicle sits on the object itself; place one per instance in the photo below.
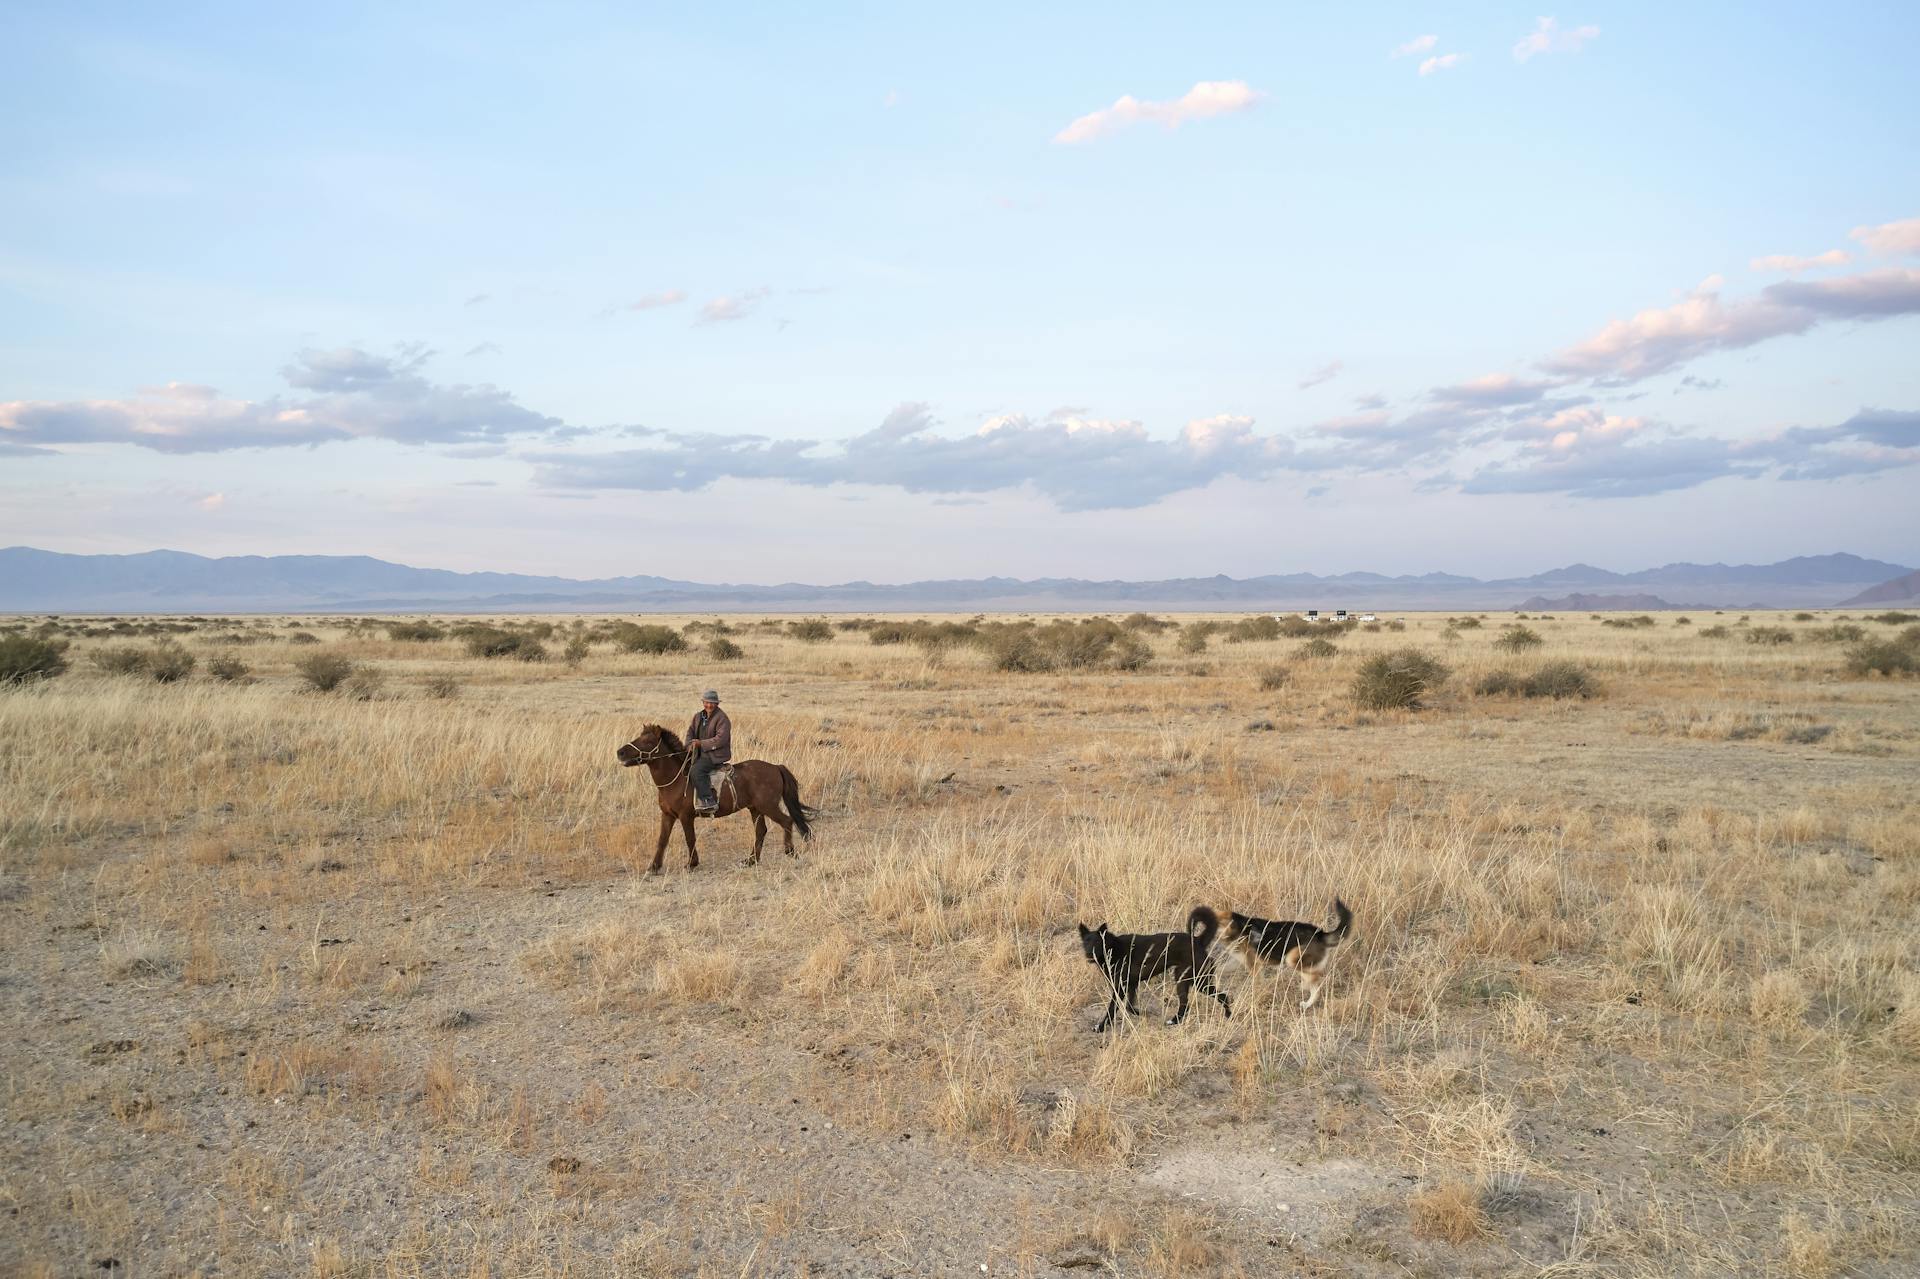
(1312, 615)
(1340, 615)
(1368, 617)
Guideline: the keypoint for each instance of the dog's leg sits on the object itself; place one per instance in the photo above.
(1133, 994)
(1208, 988)
(1311, 979)
(1184, 984)
(1113, 1007)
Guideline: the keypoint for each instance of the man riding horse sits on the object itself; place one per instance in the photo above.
(710, 738)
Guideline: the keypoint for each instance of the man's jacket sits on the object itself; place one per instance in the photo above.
(712, 734)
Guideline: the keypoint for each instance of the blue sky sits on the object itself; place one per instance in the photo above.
(888, 293)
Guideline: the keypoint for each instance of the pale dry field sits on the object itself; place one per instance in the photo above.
(302, 984)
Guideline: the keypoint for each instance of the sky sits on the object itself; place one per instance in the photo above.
(904, 292)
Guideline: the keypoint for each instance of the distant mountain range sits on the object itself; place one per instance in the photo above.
(36, 581)
(1901, 590)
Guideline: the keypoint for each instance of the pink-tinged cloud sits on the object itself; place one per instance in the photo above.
(654, 301)
(1890, 239)
(1547, 36)
(1204, 101)
(1788, 262)
(1445, 62)
(1663, 338)
(736, 306)
(1419, 44)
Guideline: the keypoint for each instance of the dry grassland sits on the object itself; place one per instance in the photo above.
(371, 984)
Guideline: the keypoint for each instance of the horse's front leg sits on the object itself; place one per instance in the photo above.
(759, 838)
(686, 826)
(660, 845)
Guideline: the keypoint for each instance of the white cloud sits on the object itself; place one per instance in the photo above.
(212, 502)
(737, 306)
(653, 301)
(1663, 338)
(892, 99)
(1419, 44)
(1325, 373)
(356, 395)
(1495, 390)
(477, 299)
(1445, 62)
(1547, 37)
(1890, 239)
(1205, 100)
(1788, 262)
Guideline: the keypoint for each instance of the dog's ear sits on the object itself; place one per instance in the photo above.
(1085, 932)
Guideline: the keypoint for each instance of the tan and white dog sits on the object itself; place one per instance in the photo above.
(1301, 947)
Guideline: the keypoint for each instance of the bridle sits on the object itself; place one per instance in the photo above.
(660, 751)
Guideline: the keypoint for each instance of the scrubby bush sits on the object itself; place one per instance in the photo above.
(1016, 649)
(530, 650)
(1683, 621)
(1838, 633)
(24, 660)
(415, 632)
(1464, 623)
(1517, 639)
(122, 660)
(1146, 622)
(1294, 626)
(1262, 626)
(1770, 635)
(722, 649)
(651, 639)
(440, 687)
(1317, 648)
(890, 632)
(1897, 656)
(1803, 617)
(229, 670)
(1560, 680)
(303, 637)
(324, 672)
(1273, 677)
(811, 631)
(1399, 680)
(1639, 622)
(365, 683)
(1396, 625)
(1713, 632)
(1500, 683)
(1895, 618)
(168, 663)
(1194, 636)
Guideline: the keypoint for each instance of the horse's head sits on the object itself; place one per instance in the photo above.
(653, 743)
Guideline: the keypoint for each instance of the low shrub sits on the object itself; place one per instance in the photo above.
(1895, 618)
(1838, 633)
(1263, 626)
(1399, 680)
(1713, 632)
(576, 651)
(811, 631)
(1500, 683)
(1464, 623)
(1560, 680)
(651, 639)
(24, 660)
(415, 632)
(1020, 651)
(229, 670)
(1273, 677)
(1803, 617)
(324, 672)
(303, 637)
(1517, 639)
(124, 660)
(1314, 648)
(1885, 657)
(1770, 635)
(1194, 637)
(1146, 622)
(440, 687)
(1639, 622)
(168, 663)
(722, 649)
(365, 683)
(1683, 621)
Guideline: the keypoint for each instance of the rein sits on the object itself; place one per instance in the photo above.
(685, 763)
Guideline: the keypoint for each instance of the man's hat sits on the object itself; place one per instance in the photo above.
(710, 696)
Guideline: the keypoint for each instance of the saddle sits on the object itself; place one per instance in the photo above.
(722, 778)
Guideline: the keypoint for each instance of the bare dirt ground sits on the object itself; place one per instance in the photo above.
(373, 983)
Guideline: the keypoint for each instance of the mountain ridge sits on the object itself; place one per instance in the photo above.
(35, 580)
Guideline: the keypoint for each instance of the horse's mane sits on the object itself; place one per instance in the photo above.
(670, 742)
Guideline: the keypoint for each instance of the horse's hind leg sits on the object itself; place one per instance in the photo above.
(759, 837)
(786, 832)
(686, 826)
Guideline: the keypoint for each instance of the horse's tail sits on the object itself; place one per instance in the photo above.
(790, 792)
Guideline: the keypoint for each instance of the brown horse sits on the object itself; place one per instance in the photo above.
(757, 786)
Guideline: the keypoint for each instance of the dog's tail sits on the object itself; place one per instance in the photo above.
(1203, 925)
(1332, 936)
(790, 792)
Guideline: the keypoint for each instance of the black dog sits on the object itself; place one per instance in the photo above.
(1130, 958)
(1301, 947)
